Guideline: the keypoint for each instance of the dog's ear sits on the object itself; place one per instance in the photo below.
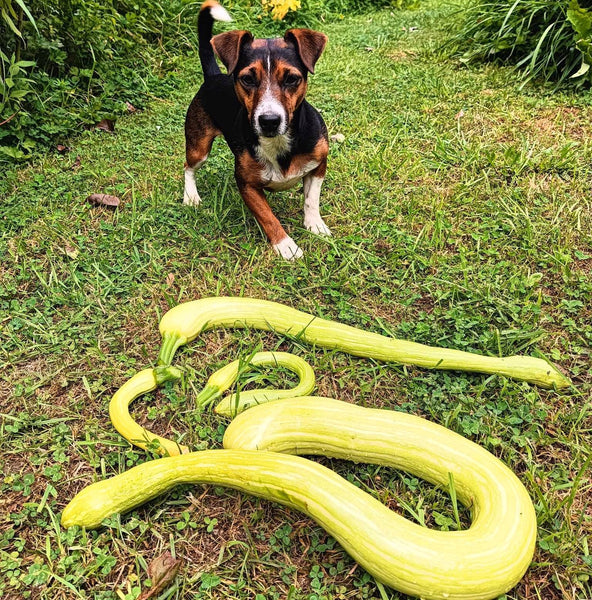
(228, 46)
(310, 45)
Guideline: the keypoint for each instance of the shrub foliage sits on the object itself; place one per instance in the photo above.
(65, 64)
(547, 40)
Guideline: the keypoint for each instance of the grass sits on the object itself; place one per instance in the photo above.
(461, 212)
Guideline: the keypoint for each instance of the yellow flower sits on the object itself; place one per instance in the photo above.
(280, 8)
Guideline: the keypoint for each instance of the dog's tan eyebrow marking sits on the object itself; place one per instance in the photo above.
(249, 70)
(258, 68)
(283, 67)
(254, 68)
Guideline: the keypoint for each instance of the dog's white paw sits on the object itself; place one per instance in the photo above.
(317, 225)
(191, 199)
(190, 195)
(288, 249)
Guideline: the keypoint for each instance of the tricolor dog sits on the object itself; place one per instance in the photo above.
(276, 136)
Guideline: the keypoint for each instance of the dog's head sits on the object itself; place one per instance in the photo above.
(270, 75)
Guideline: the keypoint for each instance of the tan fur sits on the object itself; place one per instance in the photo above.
(200, 136)
(254, 197)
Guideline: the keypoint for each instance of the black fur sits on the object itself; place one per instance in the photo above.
(205, 27)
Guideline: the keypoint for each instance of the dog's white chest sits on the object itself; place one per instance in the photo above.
(276, 180)
(272, 176)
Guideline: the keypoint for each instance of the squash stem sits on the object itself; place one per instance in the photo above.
(207, 396)
(169, 373)
(170, 343)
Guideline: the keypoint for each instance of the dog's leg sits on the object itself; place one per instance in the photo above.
(191, 196)
(199, 137)
(312, 193)
(281, 242)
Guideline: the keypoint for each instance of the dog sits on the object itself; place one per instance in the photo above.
(278, 139)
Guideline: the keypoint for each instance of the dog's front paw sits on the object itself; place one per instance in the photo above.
(190, 194)
(191, 199)
(288, 249)
(317, 225)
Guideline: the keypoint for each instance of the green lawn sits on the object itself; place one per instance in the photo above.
(461, 211)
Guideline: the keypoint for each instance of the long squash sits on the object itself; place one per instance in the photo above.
(185, 322)
(141, 383)
(234, 404)
(148, 379)
(479, 563)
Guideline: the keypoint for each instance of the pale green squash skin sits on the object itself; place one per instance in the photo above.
(233, 404)
(185, 322)
(149, 379)
(479, 563)
(491, 556)
(142, 382)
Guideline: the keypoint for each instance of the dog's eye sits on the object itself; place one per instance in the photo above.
(247, 81)
(291, 80)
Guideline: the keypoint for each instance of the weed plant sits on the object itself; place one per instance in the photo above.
(550, 41)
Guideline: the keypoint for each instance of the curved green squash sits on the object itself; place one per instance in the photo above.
(185, 322)
(479, 563)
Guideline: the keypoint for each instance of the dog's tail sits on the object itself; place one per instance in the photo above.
(210, 11)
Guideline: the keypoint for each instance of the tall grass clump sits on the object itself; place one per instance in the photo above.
(545, 40)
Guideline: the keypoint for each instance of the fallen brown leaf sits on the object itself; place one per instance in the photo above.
(62, 149)
(130, 107)
(162, 570)
(106, 125)
(76, 164)
(104, 200)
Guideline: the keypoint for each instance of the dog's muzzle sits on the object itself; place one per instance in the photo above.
(269, 124)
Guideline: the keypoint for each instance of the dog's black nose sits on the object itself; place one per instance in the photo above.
(269, 123)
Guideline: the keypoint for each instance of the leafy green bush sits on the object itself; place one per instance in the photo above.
(303, 13)
(357, 6)
(68, 64)
(547, 40)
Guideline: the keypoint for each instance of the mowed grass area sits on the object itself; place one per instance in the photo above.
(461, 212)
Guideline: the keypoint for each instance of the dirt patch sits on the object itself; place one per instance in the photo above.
(569, 122)
(402, 55)
(550, 126)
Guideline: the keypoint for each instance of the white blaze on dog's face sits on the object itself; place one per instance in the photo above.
(270, 74)
(270, 116)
